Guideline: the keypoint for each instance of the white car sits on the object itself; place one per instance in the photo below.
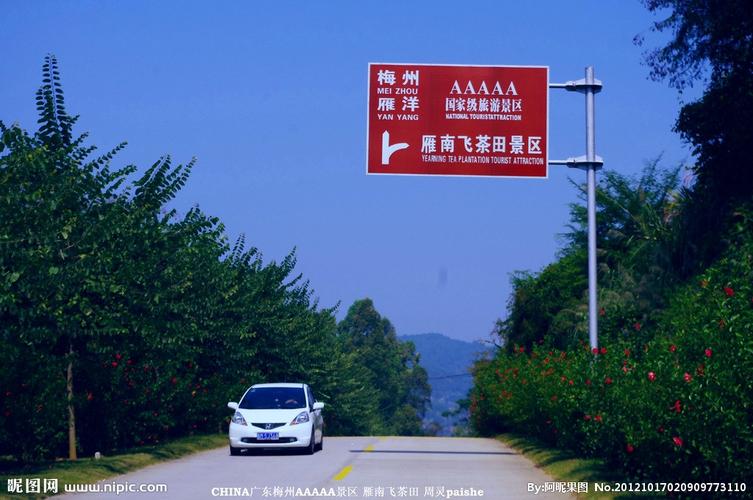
(277, 416)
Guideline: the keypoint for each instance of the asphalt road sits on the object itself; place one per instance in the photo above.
(402, 467)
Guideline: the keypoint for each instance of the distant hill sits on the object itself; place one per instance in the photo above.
(447, 361)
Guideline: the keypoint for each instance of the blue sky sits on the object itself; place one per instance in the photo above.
(271, 99)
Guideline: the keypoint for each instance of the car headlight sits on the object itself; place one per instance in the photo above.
(238, 419)
(301, 418)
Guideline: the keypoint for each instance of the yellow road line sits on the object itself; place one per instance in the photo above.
(341, 475)
(348, 468)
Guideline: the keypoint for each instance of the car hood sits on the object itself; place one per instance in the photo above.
(270, 416)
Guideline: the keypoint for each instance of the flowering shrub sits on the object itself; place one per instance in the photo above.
(677, 407)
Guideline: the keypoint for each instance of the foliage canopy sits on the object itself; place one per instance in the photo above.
(137, 323)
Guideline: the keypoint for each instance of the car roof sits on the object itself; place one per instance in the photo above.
(284, 384)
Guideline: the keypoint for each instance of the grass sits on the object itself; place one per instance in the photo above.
(565, 466)
(89, 470)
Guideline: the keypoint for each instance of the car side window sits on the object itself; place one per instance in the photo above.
(311, 398)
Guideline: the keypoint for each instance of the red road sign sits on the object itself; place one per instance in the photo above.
(458, 120)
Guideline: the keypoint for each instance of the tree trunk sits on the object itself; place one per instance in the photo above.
(71, 411)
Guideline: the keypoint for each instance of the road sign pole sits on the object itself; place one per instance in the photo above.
(590, 163)
(593, 332)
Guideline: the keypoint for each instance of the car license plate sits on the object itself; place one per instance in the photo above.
(268, 436)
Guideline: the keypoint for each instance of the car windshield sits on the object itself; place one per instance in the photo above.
(273, 398)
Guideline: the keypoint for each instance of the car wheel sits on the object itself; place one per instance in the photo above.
(320, 446)
(235, 451)
(311, 448)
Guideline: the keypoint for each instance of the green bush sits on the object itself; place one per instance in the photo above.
(676, 407)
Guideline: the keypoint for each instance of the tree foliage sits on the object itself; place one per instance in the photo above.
(150, 321)
(709, 38)
(637, 237)
(711, 41)
(398, 384)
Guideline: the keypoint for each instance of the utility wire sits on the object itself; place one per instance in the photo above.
(452, 376)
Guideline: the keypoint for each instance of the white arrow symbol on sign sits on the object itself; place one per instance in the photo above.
(387, 150)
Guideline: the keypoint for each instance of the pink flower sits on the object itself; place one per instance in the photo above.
(597, 418)
(114, 364)
(708, 353)
(607, 380)
(603, 350)
(677, 407)
(586, 417)
(637, 326)
(627, 353)
(629, 448)
(687, 377)
(672, 348)
(729, 291)
(651, 376)
(595, 350)
(677, 440)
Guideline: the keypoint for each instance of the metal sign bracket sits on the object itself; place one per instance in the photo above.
(580, 162)
(578, 86)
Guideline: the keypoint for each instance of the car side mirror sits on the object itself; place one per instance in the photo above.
(318, 406)
(232, 405)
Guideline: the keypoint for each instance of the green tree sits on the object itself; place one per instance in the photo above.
(59, 206)
(399, 385)
(710, 41)
(636, 238)
(123, 323)
(538, 298)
